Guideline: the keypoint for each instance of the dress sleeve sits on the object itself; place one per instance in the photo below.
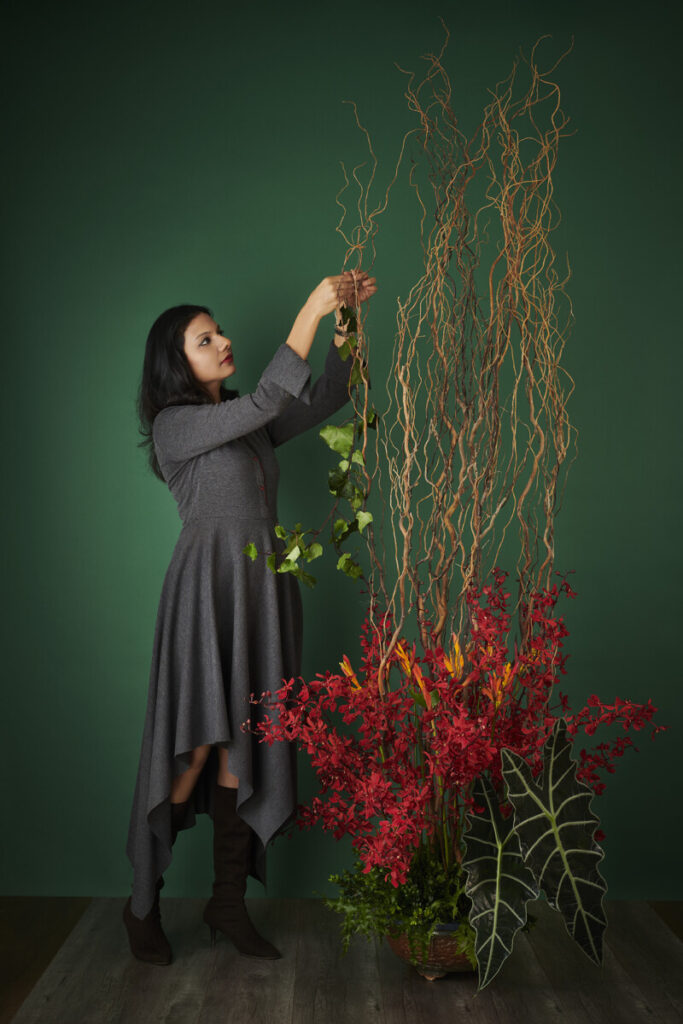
(329, 393)
(181, 432)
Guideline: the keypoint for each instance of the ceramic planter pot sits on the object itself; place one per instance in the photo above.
(442, 957)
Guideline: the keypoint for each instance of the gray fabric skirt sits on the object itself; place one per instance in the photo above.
(226, 628)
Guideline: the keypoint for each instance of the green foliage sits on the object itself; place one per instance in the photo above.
(363, 518)
(348, 566)
(347, 348)
(556, 827)
(348, 319)
(340, 485)
(295, 548)
(498, 881)
(346, 482)
(356, 375)
(342, 529)
(314, 551)
(546, 845)
(251, 551)
(371, 905)
(418, 697)
(339, 439)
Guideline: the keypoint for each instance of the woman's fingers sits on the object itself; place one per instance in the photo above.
(356, 283)
(358, 275)
(351, 287)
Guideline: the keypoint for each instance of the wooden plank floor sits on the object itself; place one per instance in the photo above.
(92, 978)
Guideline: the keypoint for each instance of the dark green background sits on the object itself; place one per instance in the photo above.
(160, 153)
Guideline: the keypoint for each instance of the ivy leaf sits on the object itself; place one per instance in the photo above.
(347, 348)
(339, 529)
(339, 439)
(356, 499)
(358, 457)
(355, 377)
(292, 543)
(270, 561)
(363, 518)
(336, 480)
(280, 532)
(348, 566)
(293, 554)
(313, 551)
(348, 317)
(340, 484)
(250, 550)
(306, 578)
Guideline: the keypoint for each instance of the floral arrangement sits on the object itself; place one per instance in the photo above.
(434, 786)
(446, 752)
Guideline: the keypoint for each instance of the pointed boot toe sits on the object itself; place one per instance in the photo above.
(146, 936)
(234, 922)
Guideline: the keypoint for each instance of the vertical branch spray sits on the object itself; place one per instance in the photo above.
(476, 432)
(459, 791)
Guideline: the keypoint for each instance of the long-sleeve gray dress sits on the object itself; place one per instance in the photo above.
(226, 625)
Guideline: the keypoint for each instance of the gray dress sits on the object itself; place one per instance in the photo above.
(226, 626)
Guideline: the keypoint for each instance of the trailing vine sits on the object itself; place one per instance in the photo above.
(348, 483)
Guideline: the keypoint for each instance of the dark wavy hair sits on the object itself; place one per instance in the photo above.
(167, 377)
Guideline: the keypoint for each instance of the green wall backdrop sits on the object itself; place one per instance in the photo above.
(158, 153)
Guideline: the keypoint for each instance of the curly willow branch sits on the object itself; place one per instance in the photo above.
(476, 432)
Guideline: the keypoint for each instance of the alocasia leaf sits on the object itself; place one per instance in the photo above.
(498, 882)
(556, 826)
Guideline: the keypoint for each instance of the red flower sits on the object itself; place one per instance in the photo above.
(397, 770)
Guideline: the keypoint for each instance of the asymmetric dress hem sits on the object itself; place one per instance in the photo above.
(226, 626)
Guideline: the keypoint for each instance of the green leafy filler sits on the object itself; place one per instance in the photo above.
(371, 905)
(345, 482)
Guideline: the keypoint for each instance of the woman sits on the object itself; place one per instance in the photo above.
(226, 625)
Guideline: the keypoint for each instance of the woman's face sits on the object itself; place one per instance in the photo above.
(208, 352)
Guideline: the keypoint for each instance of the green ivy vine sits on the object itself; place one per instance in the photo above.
(345, 482)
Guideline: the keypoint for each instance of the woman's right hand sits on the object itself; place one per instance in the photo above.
(347, 289)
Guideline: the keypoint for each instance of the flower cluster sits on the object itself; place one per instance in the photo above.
(396, 764)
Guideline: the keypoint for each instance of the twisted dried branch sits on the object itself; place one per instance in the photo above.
(476, 432)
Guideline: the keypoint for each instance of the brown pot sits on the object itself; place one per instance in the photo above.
(442, 957)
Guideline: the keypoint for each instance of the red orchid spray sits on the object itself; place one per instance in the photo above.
(454, 742)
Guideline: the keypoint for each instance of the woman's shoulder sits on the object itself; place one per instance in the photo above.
(168, 413)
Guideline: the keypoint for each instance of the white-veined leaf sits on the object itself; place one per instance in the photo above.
(498, 882)
(556, 827)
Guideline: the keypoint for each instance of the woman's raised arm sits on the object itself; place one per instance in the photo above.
(181, 432)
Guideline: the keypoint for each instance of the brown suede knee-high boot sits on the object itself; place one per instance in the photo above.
(225, 911)
(145, 935)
